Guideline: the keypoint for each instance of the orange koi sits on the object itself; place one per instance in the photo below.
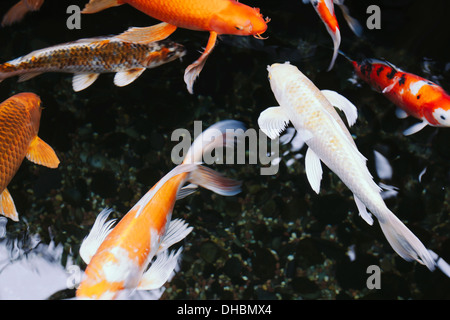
(325, 10)
(412, 94)
(118, 258)
(19, 125)
(19, 10)
(87, 58)
(215, 16)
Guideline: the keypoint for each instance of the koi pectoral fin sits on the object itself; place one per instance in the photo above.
(81, 81)
(145, 35)
(160, 270)
(96, 236)
(273, 121)
(343, 104)
(193, 70)
(415, 128)
(401, 114)
(7, 207)
(41, 153)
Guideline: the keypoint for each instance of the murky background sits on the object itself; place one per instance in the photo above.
(277, 239)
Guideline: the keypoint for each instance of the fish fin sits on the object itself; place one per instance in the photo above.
(145, 35)
(354, 24)
(41, 153)
(124, 78)
(96, 236)
(178, 230)
(17, 12)
(343, 104)
(400, 113)
(440, 263)
(28, 76)
(363, 211)
(403, 241)
(186, 191)
(273, 121)
(160, 270)
(336, 36)
(7, 207)
(415, 128)
(214, 181)
(193, 70)
(382, 166)
(81, 81)
(220, 134)
(313, 169)
(98, 5)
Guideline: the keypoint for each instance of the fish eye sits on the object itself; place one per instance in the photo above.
(239, 28)
(443, 117)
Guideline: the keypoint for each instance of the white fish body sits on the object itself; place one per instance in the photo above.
(312, 114)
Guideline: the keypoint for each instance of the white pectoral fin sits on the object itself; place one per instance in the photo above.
(401, 114)
(342, 103)
(94, 239)
(363, 211)
(124, 78)
(160, 270)
(313, 169)
(273, 121)
(177, 231)
(415, 128)
(81, 81)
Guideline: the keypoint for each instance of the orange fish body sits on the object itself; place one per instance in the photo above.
(215, 16)
(19, 10)
(118, 259)
(19, 125)
(416, 96)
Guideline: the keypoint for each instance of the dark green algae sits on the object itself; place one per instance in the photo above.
(277, 239)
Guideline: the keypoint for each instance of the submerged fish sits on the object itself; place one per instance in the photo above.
(19, 10)
(215, 16)
(325, 10)
(127, 54)
(413, 95)
(19, 125)
(118, 259)
(312, 113)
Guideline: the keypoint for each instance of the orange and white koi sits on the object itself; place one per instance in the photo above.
(313, 115)
(412, 94)
(19, 125)
(215, 16)
(118, 258)
(19, 10)
(325, 10)
(87, 58)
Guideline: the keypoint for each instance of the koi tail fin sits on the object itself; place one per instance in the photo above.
(354, 24)
(404, 242)
(98, 5)
(19, 10)
(222, 134)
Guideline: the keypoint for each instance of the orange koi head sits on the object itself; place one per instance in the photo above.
(239, 19)
(440, 112)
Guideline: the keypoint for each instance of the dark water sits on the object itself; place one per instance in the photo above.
(277, 239)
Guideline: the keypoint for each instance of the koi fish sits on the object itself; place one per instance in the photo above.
(413, 95)
(19, 10)
(118, 258)
(87, 58)
(19, 126)
(312, 113)
(325, 10)
(215, 16)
